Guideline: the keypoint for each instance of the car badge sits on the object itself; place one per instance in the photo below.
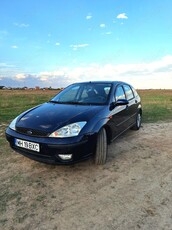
(29, 132)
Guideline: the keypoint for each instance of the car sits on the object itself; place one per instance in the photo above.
(77, 123)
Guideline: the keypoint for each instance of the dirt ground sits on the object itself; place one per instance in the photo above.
(133, 190)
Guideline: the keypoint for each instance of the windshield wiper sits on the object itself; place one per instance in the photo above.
(65, 102)
(71, 102)
(57, 102)
(74, 102)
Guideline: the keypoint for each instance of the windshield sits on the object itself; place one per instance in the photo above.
(84, 93)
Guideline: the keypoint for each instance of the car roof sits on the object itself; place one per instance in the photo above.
(110, 82)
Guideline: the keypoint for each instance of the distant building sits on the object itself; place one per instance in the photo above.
(37, 87)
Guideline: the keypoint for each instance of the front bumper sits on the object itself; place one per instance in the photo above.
(81, 147)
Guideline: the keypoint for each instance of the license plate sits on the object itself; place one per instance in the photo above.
(27, 145)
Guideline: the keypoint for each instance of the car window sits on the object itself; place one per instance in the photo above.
(119, 93)
(70, 95)
(84, 93)
(107, 89)
(135, 92)
(128, 92)
(88, 91)
(95, 93)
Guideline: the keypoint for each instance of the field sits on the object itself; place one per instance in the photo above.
(157, 104)
(13, 102)
(131, 191)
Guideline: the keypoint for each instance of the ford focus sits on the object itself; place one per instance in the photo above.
(77, 123)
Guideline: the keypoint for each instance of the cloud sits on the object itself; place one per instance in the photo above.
(7, 69)
(88, 17)
(144, 75)
(60, 78)
(108, 33)
(20, 76)
(75, 47)
(57, 43)
(14, 47)
(5, 65)
(122, 16)
(156, 74)
(21, 25)
(102, 25)
(52, 74)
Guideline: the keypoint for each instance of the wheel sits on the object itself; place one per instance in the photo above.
(138, 122)
(101, 148)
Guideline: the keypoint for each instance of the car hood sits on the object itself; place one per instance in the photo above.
(50, 116)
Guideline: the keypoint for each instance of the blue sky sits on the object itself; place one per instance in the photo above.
(55, 43)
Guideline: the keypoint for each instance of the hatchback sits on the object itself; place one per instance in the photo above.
(76, 124)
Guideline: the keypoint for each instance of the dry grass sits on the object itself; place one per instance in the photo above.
(157, 104)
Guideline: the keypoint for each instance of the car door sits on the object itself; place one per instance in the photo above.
(132, 106)
(119, 114)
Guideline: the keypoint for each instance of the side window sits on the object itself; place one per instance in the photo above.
(128, 92)
(119, 93)
(135, 92)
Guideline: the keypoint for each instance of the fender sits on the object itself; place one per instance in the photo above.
(101, 123)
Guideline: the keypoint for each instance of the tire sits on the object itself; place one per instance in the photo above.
(138, 122)
(101, 148)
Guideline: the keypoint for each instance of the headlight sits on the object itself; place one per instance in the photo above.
(13, 124)
(69, 130)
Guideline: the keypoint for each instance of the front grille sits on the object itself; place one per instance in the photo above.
(31, 132)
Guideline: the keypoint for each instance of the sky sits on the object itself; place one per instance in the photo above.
(55, 43)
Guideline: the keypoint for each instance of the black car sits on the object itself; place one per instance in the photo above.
(79, 122)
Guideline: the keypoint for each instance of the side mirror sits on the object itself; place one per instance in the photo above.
(119, 102)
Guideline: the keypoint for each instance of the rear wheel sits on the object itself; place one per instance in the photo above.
(101, 148)
(137, 125)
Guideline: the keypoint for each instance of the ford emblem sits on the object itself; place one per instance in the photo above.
(29, 132)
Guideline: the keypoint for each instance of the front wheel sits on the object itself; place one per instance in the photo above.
(137, 125)
(101, 148)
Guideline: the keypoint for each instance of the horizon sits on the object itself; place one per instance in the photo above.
(61, 88)
(58, 43)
